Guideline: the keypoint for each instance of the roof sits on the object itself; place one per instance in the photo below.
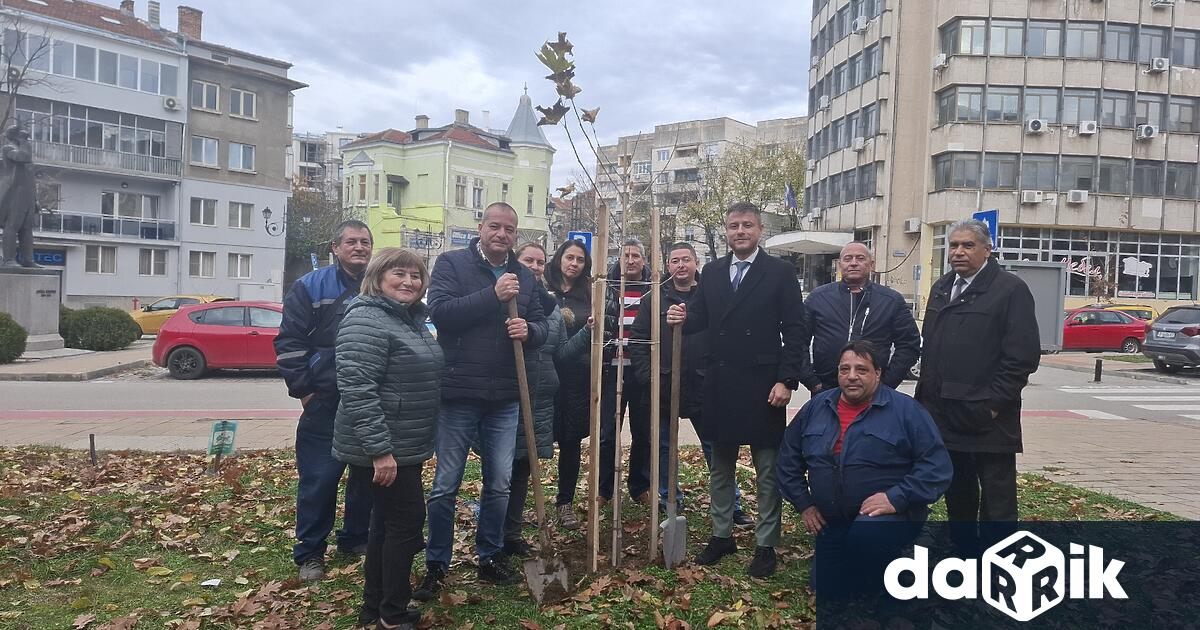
(455, 132)
(391, 136)
(97, 16)
(524, 128)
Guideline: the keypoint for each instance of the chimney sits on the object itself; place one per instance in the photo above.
(152, 14)
(487, 120)
(191, 21)
(462, 117)
(422, 121)
(127, 7)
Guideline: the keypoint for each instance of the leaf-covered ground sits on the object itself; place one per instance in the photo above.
(138, 541)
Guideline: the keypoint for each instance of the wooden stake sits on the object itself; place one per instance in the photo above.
(599, 271)
(655, 374)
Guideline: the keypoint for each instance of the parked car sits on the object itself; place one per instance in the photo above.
(218, 335)
(1173, 340)
(1143, 312)
(152, 316)
(1102, 329)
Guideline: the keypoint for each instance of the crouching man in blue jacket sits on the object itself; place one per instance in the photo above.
(874, 462)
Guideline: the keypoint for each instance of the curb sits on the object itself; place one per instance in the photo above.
(1126, 374)
(76, 376)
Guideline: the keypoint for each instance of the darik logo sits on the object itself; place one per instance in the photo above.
(1023, 576)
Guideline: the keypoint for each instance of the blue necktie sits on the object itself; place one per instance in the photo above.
(742, 265)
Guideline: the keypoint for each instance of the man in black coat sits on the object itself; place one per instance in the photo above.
(746, 303)
(856, 308)
(981, 345)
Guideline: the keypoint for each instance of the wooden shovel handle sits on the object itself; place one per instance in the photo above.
(673, 454)
(535, 469)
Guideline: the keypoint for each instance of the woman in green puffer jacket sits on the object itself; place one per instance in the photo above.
(388, 374)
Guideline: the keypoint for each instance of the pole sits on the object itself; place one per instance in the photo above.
(655, 374)
(1099, 369)
(599, 262)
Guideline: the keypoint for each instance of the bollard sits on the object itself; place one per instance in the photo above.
(92, 448)
(1099, 367)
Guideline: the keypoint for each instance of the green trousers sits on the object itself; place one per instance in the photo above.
(722, 481)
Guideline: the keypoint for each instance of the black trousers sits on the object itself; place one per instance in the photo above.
(395, 539)
(569, 454)
(639, 428)
(983, 490)
(518, 490)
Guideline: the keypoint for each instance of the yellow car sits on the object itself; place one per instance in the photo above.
(1140, 311)
(152, 316)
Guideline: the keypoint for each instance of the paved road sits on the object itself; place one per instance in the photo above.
(1135, 439)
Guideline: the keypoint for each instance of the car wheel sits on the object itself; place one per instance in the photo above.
(186, 363)
(914, 372)
(1130, 346)
(1163, 366)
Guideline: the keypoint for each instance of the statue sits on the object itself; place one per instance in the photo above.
(18, 197)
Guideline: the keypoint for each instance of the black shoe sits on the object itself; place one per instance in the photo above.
(496, 570)
(763, 564)
(717, 548)
(741, 519)
(357, 551)
(407, 622)
(435, 578)
(517, 548)
(312, 569)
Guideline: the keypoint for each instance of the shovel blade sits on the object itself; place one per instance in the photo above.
(546, 577)
(674, 541)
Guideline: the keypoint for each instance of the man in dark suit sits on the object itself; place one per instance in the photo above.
(746, 303)
(981, 345)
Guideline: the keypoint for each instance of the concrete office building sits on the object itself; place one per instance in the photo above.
(1076, 120)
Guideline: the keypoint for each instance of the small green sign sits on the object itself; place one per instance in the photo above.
(223, 435)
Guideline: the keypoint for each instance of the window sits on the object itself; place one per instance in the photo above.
(872, 62)
(49, 196)
(1147, 178)
(64, 58)
(1044, 39)
(866, 181)
(641, 168)
(1116, 109)
(169, 83)
(966, 37)
(1080, 105)
(85, 63)
(204, 211)
(460, 191)
(149, 76)
(1076, 172)
(242, 104)
(504, 193)
(1038, 172)
(1152, 42)
(265, 318)
(375, 189)
(962, 103)
(663, 155)
(1118, 42)
(1003, 104)
(1181, 180)
(152, 262)
(127, 72)
(1083, 40)
(1185, 48)
(956, 170)
(477, 193)
(1148, 110)
(1181, 114)
(1007, 37)
(239, 266)
(239, 214)
(200, 265)
(1041, 103)
(241, 157)
(1113, 176)
(204, 151)
(850, 185)
(529, 201)
(108, 67)
(226, 315)
(870, 120)
(100, 259)
(1000, 171)
(129, 205)
(204, 96)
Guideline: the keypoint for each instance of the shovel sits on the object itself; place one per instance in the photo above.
(674, 538)
(545, 573)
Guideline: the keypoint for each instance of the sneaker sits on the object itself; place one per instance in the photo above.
(517, 548)
(431, 584)
(763, 564)
(357, 551)
(312, 570)
(407, 622)
(497, 571)
(717, 548)
(741, 519)
(567, 518)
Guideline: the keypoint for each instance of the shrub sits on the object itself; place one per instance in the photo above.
(66, 326)
(100, 328)
(12, 339)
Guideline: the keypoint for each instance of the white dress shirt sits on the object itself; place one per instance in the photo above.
(733, 265)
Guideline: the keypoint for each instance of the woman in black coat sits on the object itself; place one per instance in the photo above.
(569, 279)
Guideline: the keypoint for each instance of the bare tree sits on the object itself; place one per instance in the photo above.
(24, 60)
(311, 217)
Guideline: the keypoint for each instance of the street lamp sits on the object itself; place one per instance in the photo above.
(274, 228)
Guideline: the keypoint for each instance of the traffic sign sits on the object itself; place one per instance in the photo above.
(992, 219)
(583, 237)
(224, 433)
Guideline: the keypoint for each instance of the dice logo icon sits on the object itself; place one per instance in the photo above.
(1023, 576)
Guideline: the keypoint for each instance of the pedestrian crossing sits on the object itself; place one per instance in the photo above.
(1177, 401)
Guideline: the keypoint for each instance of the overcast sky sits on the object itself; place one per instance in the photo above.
(374, 65)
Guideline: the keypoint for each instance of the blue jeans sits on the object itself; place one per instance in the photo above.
(462, 424)
(849, 557)
(317, 491)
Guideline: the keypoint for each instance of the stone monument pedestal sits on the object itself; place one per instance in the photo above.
(31, 297)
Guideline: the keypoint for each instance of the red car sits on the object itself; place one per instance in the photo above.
(219, 335)
(1102, 329)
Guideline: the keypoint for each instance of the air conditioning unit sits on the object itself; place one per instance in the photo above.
(940, 61)
(1145, 132)
(860, 24)
(1035, 125)
(479, 215)
(1031, 196)
(171, 103)
(859, 143)
(1159, 64)
(1077, 196)
(1088, 127)
(823, 103)
(1162, 3)
(815, 213)
(912, 226)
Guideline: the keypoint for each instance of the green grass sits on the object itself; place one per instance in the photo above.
(137, 536)
(1129, 358)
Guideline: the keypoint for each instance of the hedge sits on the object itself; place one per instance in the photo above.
(12, 339)
(97, 328)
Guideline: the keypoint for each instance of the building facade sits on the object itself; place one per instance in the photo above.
(315, 161)
(107, 104)
(1076, 121)
(426, 188)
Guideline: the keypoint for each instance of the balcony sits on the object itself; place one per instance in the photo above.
(92, 159)
(95, 224)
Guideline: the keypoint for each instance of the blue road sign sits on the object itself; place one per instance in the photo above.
(992, 218)
(584, 237)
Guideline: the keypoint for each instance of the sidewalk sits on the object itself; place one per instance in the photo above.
(76, 365)
(1086, 362)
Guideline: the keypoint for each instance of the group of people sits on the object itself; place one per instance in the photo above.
(381, 395)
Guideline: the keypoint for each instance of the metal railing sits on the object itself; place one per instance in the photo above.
(75, 223)
(53, 153)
